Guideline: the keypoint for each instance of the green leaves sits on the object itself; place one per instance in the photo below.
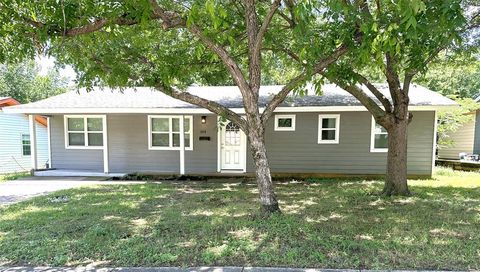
(23, 82)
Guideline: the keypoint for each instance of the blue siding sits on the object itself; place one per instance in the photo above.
(12, 126)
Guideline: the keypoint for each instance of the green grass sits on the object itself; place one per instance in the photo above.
(329, 224)
(13, 176)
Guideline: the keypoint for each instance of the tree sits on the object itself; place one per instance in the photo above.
(23, 82)
(456, 75)
(399, 40)
(170, 44)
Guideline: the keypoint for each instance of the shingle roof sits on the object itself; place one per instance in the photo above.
(147, 98)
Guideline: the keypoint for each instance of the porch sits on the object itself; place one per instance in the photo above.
(75, 173)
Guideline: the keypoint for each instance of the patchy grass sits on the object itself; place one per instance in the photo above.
(334, 224)
(447, 177)
(13, 176)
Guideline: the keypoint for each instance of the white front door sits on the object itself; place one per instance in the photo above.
(232, 145)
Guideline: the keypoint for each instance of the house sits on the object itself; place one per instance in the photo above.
(139, 130)
(16, 152)
(465, 140)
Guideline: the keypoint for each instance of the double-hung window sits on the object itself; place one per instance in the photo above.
(26, 147)
(379, 140)
(84, 132)
(328, 128)
(164, 132)
(285, 122)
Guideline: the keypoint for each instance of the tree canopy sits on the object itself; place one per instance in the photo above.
(23, 82)
(457, 76)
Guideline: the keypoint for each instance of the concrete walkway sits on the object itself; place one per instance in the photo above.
(25, 188)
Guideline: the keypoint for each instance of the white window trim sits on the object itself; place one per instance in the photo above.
(372, 140)
(86, 146)
(22, 145)
(337, 128)
(285, 116)
(149, 120)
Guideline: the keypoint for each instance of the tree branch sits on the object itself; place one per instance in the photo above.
(378, 113)
(318, 68)
(265, 24)
(204, 103)
(228, 61)
(254, 56)
(385, 102)
(392, 79)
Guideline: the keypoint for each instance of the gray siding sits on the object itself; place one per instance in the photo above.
(463, 141)
(289, 152)
(128, 147)
(476, 145)
(298, 151)
(12, 126)
(72, 159)
(203, 158)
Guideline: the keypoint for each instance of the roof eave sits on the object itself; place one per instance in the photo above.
(44, 111)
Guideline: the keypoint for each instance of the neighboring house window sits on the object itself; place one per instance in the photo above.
(84, 132)
(379, 141)
(328, 128)
(164, 132)
(285, 122)
(26, 148)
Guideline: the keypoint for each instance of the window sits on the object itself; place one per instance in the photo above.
(328, 128)
(164, 132)
(84, 132)
(285, 122)
(379, 141)
(26, 148)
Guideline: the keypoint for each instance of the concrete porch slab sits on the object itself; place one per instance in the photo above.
(75, 173)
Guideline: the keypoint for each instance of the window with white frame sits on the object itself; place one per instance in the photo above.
(26, 147)
(284, 122)
(328, 128)
(164, 132)
(379, 141)
(84, 132)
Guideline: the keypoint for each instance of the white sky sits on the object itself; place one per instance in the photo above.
(47, 63)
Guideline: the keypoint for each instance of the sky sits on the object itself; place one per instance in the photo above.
(47, 63)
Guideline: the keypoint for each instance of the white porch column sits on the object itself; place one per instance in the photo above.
(33, 142)
(182, 146)
(49, 138)
(106, 168)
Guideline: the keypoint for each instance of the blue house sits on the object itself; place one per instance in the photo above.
(16, 151)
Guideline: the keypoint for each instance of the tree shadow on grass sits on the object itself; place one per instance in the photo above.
(324, 224)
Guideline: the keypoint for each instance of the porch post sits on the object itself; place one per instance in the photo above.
(33, 142)
(182, 145)
(106, 167)
(49, 138)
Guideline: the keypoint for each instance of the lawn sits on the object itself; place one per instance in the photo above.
(13, 176)
(325, 223)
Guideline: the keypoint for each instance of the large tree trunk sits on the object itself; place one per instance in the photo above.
(396, 178)
(268, 200)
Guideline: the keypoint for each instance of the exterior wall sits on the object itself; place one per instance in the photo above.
(12, 126)
(463, 141)
(71, 159)
(298, 151)
(289, 152)
(476, 143)
(128, 147)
